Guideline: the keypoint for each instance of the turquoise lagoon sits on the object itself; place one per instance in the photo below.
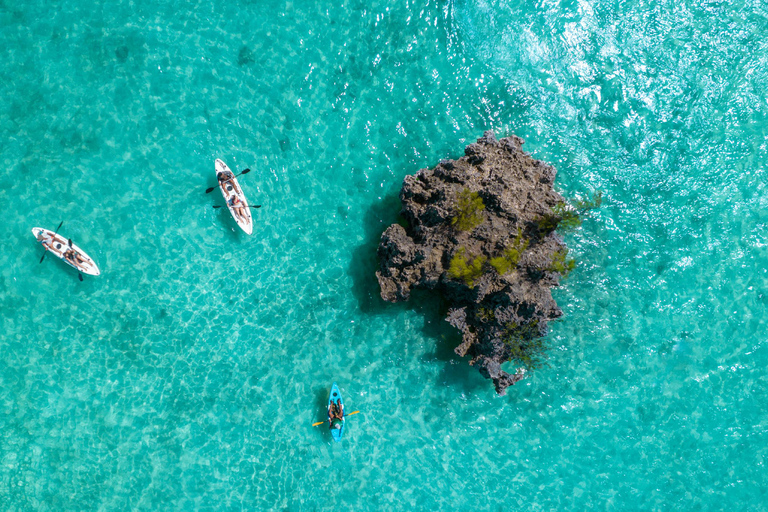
(187, 376)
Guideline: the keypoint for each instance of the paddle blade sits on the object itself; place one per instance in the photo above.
(80, 276)
(257, 206)
(57, 229)
(245, 171)
(217, 206)
(46, 252)
(70, 241)
(209, 190)
(318, 423)
(350, 414)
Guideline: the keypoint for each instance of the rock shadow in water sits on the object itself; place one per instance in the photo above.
(430, 305)
(365, 261)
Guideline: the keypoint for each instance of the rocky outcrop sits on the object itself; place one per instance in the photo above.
(495, 261)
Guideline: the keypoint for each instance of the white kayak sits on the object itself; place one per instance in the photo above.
(233, 195)
(71, 254)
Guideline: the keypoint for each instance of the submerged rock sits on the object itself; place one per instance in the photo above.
(480, 231)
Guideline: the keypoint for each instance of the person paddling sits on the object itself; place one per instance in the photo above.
(50, 242)
(226, 180)
(224, 176)
(336, 415)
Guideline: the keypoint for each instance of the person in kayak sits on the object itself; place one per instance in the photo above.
(74, 257)
(336, 415)
(226, 178)
(237, 206)
(46, 239)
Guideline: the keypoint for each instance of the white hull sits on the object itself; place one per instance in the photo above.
(230, 189)
(72, 255)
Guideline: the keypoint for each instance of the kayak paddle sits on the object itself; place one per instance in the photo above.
(249, 206)
(246, 171)
(321, 422)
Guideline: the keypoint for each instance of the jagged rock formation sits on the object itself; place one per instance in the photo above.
(495, 262)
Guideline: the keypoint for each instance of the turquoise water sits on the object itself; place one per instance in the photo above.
(187, 376)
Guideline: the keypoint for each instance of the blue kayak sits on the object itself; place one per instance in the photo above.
(337, 429)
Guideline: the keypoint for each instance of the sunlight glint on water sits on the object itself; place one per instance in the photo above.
(186, 376)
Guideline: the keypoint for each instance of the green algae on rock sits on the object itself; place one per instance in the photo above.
(481, 231)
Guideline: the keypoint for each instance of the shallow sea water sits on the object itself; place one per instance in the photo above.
(186, 376)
